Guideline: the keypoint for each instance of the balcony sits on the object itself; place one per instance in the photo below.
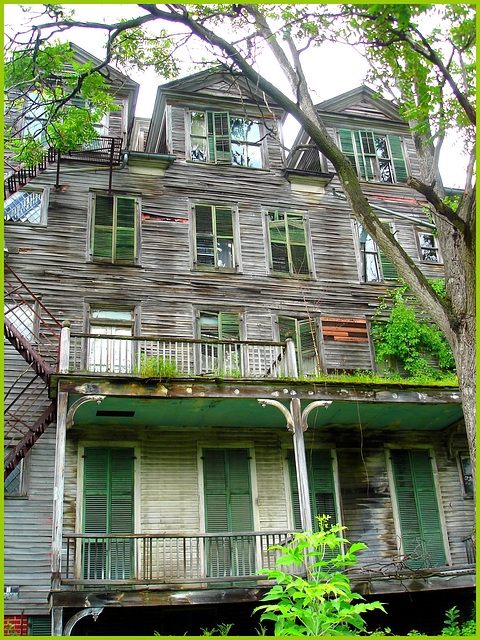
(155, 357)
(173, 559)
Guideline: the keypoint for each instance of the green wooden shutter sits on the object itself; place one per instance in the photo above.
(321, 486)
(218, 128)
(228, 508)
(398, 159)
(278, 242)
(388, 270)
(420, 525)
(108, 509)
(205, 253)
(297, 244)
(308, 346)
(360, 159)
(229, 326)
(228, 498)
(347, 147)
(125, 230)
(103, 227)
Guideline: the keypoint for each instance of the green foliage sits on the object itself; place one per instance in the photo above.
(321, 603)
(453, 626)
(222, 629)
(156, 367)
(389, 378)
(40, 85)
(9, 629)
(409, 337)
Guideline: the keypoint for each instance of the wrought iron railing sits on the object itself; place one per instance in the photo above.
(165, 358)
(170, 558)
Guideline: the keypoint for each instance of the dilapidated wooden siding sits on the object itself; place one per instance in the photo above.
(170, 487)
(28, 532)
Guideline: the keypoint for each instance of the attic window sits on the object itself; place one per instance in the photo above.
(221, 138)
(374, 156)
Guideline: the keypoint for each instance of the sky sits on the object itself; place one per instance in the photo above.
(331, 70)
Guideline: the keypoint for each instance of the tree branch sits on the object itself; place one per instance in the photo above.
(440, 207)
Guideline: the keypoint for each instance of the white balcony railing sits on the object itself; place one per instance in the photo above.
(153, 357)
(170, 558)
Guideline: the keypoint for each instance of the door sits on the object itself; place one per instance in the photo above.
(228, 508)
(108, 509)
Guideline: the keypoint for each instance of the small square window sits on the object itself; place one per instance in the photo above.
(428, 247)
(27, 207)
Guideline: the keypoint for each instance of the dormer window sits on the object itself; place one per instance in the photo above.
(223, 138)
(374, 156)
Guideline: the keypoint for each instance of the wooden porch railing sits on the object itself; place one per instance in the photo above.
(169, 558)
(152, 357)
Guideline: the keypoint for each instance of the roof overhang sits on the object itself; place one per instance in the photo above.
(200, 403)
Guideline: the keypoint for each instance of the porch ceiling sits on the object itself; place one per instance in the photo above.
(247, 412)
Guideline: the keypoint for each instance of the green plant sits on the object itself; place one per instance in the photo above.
(453, 626)
(156, 367)
(222, 629)
(321, 602)
(9, 629)
(409, 337)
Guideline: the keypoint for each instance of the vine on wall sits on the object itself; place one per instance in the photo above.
(409, 337)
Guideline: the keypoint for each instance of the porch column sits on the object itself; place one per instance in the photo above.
(58, 491)
(301, 465)
(297, 423)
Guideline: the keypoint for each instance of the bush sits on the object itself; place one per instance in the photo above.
(321, 603)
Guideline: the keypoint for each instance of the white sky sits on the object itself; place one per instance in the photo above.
(331, 70)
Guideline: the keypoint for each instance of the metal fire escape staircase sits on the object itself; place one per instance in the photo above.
(35, 334)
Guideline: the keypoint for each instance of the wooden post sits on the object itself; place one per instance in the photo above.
(64, 357)
(57, 621)
(301, 465)
(292, 370)
(58, 489)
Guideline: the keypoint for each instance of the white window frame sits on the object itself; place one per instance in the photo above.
(137, 232)
(311, 275)
(436, 247)
(92, 323)
(188, 143)
(44, 202)
(237, 257)
(393, 495)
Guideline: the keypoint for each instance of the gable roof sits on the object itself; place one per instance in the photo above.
(217, 81)
(362, 101)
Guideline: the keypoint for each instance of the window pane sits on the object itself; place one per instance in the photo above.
(239, 155)
(280, 257)
(12, 485)
(111, 314)
(254, 157)
(381, 147)
(372, 272)
(386, 173)
(427, 240)
(197, 123)
(225, 254)
(23, 206)
(368, 143)
(299, 259)
(199, 149)
(205, 254)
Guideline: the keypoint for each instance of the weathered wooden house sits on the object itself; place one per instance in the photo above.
(168, 314)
